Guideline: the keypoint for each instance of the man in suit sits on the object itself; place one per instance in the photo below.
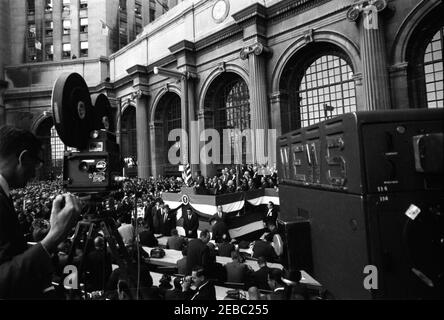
(205, 289)
(237, 272)
(156, 217)
(190, 224)
(182, 263)
(219, 230)
(277, 285)
(260, 277)
(272, 213)
(168, 221)
(175, 242)
(98, 266)
(198, 253)
(220, 187)
(26, 273)
(225, 248)
(220, 215)
(176, 293)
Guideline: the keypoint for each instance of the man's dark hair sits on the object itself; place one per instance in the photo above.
(200, 271)
(204, 234)
(174, 232)
(13, 141)
(185, 251)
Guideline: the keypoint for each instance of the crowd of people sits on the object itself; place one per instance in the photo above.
(33, 203)
(45, 216)
(233, 180)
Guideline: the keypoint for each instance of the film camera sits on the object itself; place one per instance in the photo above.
(92, 165)
(84, 123)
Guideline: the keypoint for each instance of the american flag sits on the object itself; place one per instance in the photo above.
(186, 174)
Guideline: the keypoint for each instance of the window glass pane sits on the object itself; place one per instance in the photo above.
(332, 94)
(433, 69)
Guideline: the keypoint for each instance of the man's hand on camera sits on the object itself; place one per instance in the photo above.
(186, 283)
(65, 213)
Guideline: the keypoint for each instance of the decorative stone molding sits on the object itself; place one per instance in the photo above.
(366, 7)
(257, 49)
(278, 97)
(222, 67)
(357, 78)
(309, 36)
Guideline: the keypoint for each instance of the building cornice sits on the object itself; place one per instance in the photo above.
(217, 37)
(254, 14)
(164, 62)
(286, 8)
(58, 63)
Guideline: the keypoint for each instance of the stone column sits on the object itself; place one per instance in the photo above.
(143, 146)
(3, 86)
(279, 112)
(376, 84)
(258, 98)
(205, 117)
(157, 150)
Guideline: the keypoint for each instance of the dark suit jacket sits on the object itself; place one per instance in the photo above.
(236, 272)
(175, 243)
(182, 266)
(219, 229)
(148, 216)
(147, 239)
(198, 254)
(278, 295)
(99, 268)
(207, 291)
(24, 274)
(273, 217)
(223, 218)
(190, 225)
(224, 249)
(168, 225)
(156, 215)
(259, 278)
(174, 295)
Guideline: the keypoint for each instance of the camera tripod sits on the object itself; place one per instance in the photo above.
(90, 228)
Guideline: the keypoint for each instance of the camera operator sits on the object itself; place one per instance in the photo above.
(26, 273)
(205, 289)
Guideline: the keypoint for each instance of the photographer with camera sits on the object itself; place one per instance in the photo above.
(26, 273)
(205, 290)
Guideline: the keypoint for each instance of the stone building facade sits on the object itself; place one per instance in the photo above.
(277, 64)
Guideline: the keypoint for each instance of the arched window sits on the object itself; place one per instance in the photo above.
(53, 150)
(128, 141)
(433, 71)
(233, 110)
(57, 151)
(327, 89)
(228, 99)
(173, 116)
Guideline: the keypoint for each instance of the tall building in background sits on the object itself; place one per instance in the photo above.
(277, 64)
(50, 30)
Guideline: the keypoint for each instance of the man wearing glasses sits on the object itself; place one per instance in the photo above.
(26, 273)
